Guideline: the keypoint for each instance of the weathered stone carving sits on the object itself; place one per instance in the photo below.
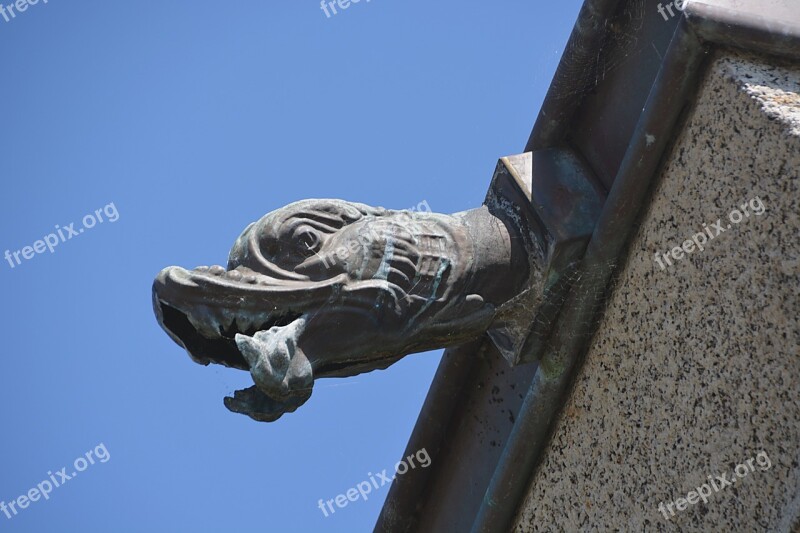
(328, 288)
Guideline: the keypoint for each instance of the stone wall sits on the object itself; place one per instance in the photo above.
(696, 366)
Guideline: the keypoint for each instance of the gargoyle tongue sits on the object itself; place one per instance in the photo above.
(279, 369)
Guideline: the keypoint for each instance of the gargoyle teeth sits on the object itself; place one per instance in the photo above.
(243, 323)
(263, 318)
(225, 323)
(217, 270)
(228, 317)
(205, 323)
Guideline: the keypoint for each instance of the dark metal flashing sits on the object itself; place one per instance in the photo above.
(485, 424)
(580, 55)
(668, 99)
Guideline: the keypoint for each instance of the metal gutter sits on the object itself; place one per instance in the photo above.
(669, 97)
(409, 493)
(580, 55)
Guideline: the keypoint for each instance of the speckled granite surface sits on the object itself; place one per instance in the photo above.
(696, 367)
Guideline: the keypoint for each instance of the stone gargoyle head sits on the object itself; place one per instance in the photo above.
(328, 288)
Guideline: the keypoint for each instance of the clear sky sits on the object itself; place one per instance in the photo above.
(182, 122)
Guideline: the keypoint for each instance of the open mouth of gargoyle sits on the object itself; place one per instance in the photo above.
(204, 309)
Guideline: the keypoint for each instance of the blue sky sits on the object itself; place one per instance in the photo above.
(195, 119)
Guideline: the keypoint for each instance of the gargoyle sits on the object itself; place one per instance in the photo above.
(328, 288)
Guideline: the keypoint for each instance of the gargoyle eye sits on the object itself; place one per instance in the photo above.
(308, 238)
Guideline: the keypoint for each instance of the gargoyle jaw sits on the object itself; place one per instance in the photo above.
(204, 309)
(244, 320)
